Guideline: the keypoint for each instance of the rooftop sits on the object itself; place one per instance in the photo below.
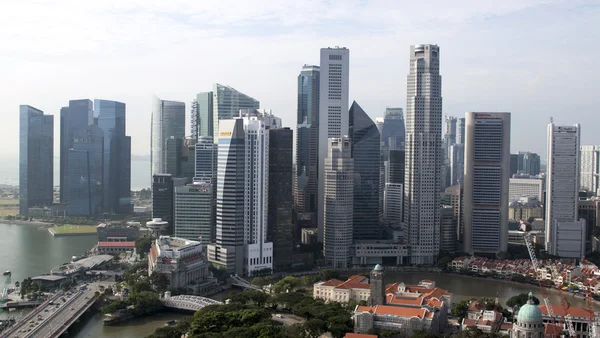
(397, 311)
(116, 244)
(51, 278)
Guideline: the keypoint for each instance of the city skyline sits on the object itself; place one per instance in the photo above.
(496, 78)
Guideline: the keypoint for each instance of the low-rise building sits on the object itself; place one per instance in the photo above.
(580, 317)
(355, 288)
(386, 252)
(115, 248)
(181, 260)
(118, 232)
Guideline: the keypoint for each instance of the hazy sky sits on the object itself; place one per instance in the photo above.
(535, 59)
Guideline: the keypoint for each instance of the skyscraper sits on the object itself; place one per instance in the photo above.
(168, 120)
(206, 161)
(202, 117)
(487, 150)
(460, 130)
(117, 156)
(565, 233)
(193, 212)
(590, 169)
(393, 130)
(307, 155)
(333, 109)
(36, 158)
(77, 116)
(227, 103)
(448, 229)
(163, 191)
(85, 175)
(528, 163)
(339, 202)
(457, 164)
(393, 204)
(365, 150)
(280, 226)
(423, 153)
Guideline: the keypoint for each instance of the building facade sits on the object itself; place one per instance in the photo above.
(562, 189)
(168, 120)
(280, 228)
(448, 230)
(520, 187)
(487, 150)
(455, 193)
(365, 152)
(227, 103)
(589, 171)
(202, 123)
(528, 163)
(36, 158)
(423, 153)
(163, 190)
(193, 215)
(333, 110)
(393, 203)
(339, 202)
(307, 151)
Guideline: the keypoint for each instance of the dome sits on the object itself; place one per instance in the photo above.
(529, 312)
(378, 268)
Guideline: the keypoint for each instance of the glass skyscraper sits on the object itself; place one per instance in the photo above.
(307, 151)
(36, 158)
(168, 120)
(227, 103)
(366, 155)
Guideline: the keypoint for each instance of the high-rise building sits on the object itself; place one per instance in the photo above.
(393, 131)
(36, 158)
(487, 150)
(455, 193)
(519, 187)
(280, 226)
(206, 161)
(590, 169)
(460, 130)
(77, 116)
(193, 212)
(339, 201)
(565, 233)
(514, 164)
(163, 190)
(448, 229)
(307, 152)
(395, 166)
(333, 110)
(228, 250)
(117, 156)
(392, 203)
(168, 120)
(227, 103)
(457, 164)
(365, 150)
(528, 163)
(202, 116)
(423, 153)
(85, 174)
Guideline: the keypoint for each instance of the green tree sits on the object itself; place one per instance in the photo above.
(520, 300)
(460, 309)
(315, 327)
(114, 307)
(287, 283)
(159, 282)
(142, 246)
(328, 274)
(219, 273)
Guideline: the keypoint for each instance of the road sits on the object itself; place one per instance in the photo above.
(51, 317)
(287, 319)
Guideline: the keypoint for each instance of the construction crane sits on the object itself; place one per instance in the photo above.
(589, 304)
(563, 300)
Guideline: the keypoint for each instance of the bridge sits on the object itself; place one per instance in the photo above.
(20, 305)
(239, 281)
(186, 302)
(53, 317)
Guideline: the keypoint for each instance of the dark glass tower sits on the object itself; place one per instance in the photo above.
(306, 182)
(77, 116)
(85, 172)
(117, 156)
(366, 155)
(280, 226)
(163, 189)
(36, 162)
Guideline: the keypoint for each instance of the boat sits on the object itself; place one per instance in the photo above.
(171, 323)
(6, 273)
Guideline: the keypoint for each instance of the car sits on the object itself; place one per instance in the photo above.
(46, 310)
(279, 316)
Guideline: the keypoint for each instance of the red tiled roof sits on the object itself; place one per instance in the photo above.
(559, 310)
(116, 244)
(332, 282)
(400, 300)
(395, 311)
(506, 326)
(359, 335)
(552, 330)
(476, 306)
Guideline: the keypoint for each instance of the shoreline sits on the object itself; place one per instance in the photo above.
(20, 222)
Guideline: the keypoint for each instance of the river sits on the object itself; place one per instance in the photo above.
(28, 252)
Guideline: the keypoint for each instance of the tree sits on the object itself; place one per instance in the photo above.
(220, 274)
(142, 246)
(328, 274)
(520, 300)
(315, 327)
(518, 278)
(159, 282)
(460, 309)
(17, 284)
(287, 283)
(114, 307)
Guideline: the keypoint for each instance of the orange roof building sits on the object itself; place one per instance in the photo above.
(399, 318)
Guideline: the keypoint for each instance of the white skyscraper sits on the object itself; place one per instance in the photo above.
(565, 233)
(487, 152)
(590, 169)
(423, 153)
(333, 108)
(339, 201)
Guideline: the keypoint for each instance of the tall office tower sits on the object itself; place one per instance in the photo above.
(396, 166)
(451, 123)
(85, 175)
(365, 150)
(392, 203)
(423, 153)
(520, 187)
(194, 123)
(280, 227)
(163, 190)
(565, 233)
(590, 169)
(78, 115)
(187, 159)
(487, 150)
(193, 212)
(206, 161)
(117, 156)
(227, 103)
(448, 229)
(168, 120)
(514, 164)
(457, 164)
(456, 202)
(460, 130)
(393, 130)
(36, 158)
(204, 115)
(307, 155)
(339, 201)
(333, 110)
(528, 163)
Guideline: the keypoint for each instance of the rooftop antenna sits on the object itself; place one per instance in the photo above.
(551, 119)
